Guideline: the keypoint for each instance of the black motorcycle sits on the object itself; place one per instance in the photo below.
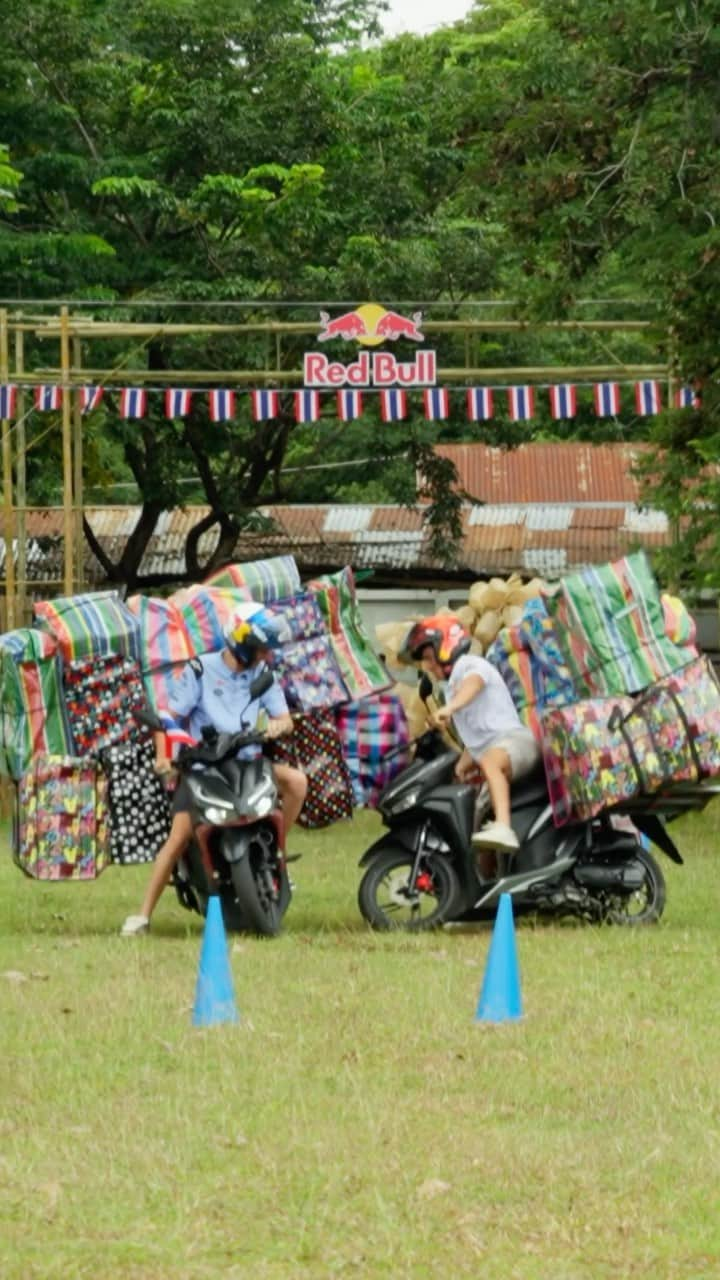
(424, 872)
(237, 850)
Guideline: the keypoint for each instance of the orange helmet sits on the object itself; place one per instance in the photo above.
(442, 632)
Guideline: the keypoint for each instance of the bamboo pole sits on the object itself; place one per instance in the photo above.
(82, 328)
(20, 479)
(211, 377)
(8, 513)
(68, 525)
(77, 448)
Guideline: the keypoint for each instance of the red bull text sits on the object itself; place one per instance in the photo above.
(379, 369)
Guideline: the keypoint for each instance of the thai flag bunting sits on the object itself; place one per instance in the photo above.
(687, 398)
(265, 404)
(307, 406)
(521, 402)
(436, 403)
(8, 396)
(178, 402)
(393, 405)
(349, 405)
(133, 402)
(90, 398)
(48, 398)
(222, 406)
(607, 399)
(563, 401)
(479, 403)
(647, 397)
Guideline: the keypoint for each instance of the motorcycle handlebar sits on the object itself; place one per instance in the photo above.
(224, 746)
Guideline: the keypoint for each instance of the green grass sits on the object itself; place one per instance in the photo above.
(358, 1121)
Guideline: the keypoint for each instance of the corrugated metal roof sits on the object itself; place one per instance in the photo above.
(549, 509)
(563, 472)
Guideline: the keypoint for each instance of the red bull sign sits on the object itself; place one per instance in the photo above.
(370, 325)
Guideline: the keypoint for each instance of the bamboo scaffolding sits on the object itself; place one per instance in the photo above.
(254, 377)
(7, 474)
(83, 328)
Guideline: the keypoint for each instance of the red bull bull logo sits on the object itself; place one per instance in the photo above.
(370, 325)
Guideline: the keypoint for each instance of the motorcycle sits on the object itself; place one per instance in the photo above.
(423, 871)
(238, 845)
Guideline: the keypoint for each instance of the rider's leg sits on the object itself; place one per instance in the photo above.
(170, 853)
(496, 766)
(292, 785)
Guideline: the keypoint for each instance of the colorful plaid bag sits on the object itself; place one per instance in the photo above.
(316, 749)
(139, 803)
(371, 731)
(32, 713)
(588, 765)
(309, 675)
(298, 618)
(90, 625)
(100, 696)
(61, 826)
(264, 580)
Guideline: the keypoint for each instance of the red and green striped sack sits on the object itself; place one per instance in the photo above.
(204, 611)
(165, 644)
(32, 714)
(360, 666)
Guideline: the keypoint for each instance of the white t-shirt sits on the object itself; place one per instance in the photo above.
(491, 714)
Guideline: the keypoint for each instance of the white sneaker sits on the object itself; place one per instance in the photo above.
(134, 926)
(495, 835)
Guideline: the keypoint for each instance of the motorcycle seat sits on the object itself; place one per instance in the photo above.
(530, 789)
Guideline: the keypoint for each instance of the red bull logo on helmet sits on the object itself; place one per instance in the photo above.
(370, 325)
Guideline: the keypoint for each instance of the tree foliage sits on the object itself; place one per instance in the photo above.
(234, 151)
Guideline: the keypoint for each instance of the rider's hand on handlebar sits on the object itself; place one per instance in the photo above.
(440, 718)
(278, 725)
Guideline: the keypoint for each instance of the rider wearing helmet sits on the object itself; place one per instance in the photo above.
(483, 714)
(220, 698)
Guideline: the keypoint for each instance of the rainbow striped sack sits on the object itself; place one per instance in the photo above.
(91, 625)
(264, 580)
(32, 714)
(204, 612)
(61, 828)
(164, 642)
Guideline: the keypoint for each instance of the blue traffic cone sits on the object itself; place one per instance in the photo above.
(500, 999)
(214, 994)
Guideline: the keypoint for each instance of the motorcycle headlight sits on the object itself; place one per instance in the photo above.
(218, 814)
(407, 801)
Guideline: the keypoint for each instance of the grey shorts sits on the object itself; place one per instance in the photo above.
(522, 748)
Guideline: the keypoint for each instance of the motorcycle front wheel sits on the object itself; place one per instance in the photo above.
(387, 902)
(646, 904)
(262, 901)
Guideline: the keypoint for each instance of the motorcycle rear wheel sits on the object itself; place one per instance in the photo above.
(646, 904)
(385, 902)
(262, 912)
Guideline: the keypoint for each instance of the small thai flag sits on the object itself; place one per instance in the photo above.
(607, 399)
(175, 735)
(90, 398)
(48, 398)
(563, 401)
(8, 397)
(222, 406)
(393, 405)
(133, 402)
(521, 402)
(178, 402)
(687, 398)
(307, 406)
(479, 403)
(436, 403)
(265, 404)
(647, 397)
(349, 405)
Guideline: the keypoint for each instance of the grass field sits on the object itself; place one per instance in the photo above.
(358, 1121)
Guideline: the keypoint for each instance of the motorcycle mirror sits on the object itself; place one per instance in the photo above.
(425, 687)
(260, 684)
